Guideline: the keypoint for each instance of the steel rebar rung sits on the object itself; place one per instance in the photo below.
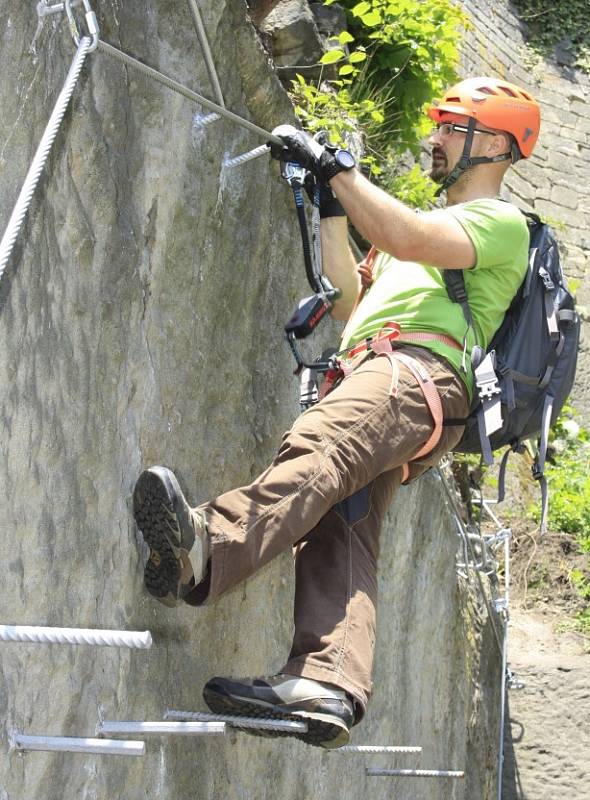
(375, 748)
(156, 727)
(239, 722)
(99, 638)
(61, 744)
(414, 773)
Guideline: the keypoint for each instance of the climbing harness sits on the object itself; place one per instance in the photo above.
(336, 366)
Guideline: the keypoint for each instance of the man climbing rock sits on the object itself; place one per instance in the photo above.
(406, 371)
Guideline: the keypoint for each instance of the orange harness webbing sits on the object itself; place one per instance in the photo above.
(383, 345)
(431, 396)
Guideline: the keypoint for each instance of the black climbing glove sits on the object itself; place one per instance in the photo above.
(301, 148)
(329, 204)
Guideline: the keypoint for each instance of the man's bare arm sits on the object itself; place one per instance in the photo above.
(435, 237)
(339, 264)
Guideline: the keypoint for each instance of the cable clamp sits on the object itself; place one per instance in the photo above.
(500, 604)
(44, 9)
(537, 471)
(498, 538)
(512, 681)
(91, 24)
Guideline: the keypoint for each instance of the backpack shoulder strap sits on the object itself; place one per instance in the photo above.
(455, 285)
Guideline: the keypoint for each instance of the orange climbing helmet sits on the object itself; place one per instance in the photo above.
(496, 104)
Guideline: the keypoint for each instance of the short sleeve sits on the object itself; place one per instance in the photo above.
(497, 229)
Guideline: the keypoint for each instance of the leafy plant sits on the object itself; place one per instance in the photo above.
(396, 56)
(406, 53)
(581, 583)
(553, 22)
(583, 621)
(568, 475)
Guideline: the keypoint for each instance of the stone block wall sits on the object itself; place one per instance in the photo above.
(555, 182)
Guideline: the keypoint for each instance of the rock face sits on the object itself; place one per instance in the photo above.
(140, 321)
(294, 37)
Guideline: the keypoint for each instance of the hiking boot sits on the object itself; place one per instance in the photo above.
(327, 709)
(175, 534)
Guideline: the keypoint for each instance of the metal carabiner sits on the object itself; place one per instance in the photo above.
(293, 173)
(91, 24)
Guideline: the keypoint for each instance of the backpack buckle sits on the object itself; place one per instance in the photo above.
(546, 278)
(486, 379)
(536, 471)
(488, 389)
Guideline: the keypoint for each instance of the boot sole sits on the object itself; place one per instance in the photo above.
(322, 730)
(161, 516)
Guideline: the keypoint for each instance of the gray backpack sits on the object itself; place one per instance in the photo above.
(528, 371)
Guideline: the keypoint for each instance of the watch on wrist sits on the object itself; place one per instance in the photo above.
(336, 160)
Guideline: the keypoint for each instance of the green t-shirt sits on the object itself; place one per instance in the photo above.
(414, 295)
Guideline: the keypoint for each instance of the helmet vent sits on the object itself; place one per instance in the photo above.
(526, 96)
(507, 91)
(486, 90)
(452, 99)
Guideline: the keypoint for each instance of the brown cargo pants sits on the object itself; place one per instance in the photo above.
(326, 494)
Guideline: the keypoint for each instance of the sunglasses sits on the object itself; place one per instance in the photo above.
(447, 128)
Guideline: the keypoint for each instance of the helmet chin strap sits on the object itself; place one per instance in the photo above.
(466, 162)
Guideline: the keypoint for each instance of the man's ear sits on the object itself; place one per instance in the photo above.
(500, 144)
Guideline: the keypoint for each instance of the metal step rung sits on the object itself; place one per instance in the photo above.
(375, 748)
(239, 722)
(90, 636)
(65, 744)
(413, 773)
(162, 728)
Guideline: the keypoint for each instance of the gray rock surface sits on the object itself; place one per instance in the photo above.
(294, 34)
(140, 322)
(548, 736)
(331, 20)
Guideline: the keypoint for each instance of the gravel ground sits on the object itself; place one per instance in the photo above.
(547, 752)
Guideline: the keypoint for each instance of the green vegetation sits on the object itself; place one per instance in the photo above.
(569, 479)
(568, 475)
(396, 57)
(553, 22)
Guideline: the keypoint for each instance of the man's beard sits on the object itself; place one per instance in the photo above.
(439, 169)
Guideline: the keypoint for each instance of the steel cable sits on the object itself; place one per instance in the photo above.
(32, 179)
(159, 77)
(204, 42)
